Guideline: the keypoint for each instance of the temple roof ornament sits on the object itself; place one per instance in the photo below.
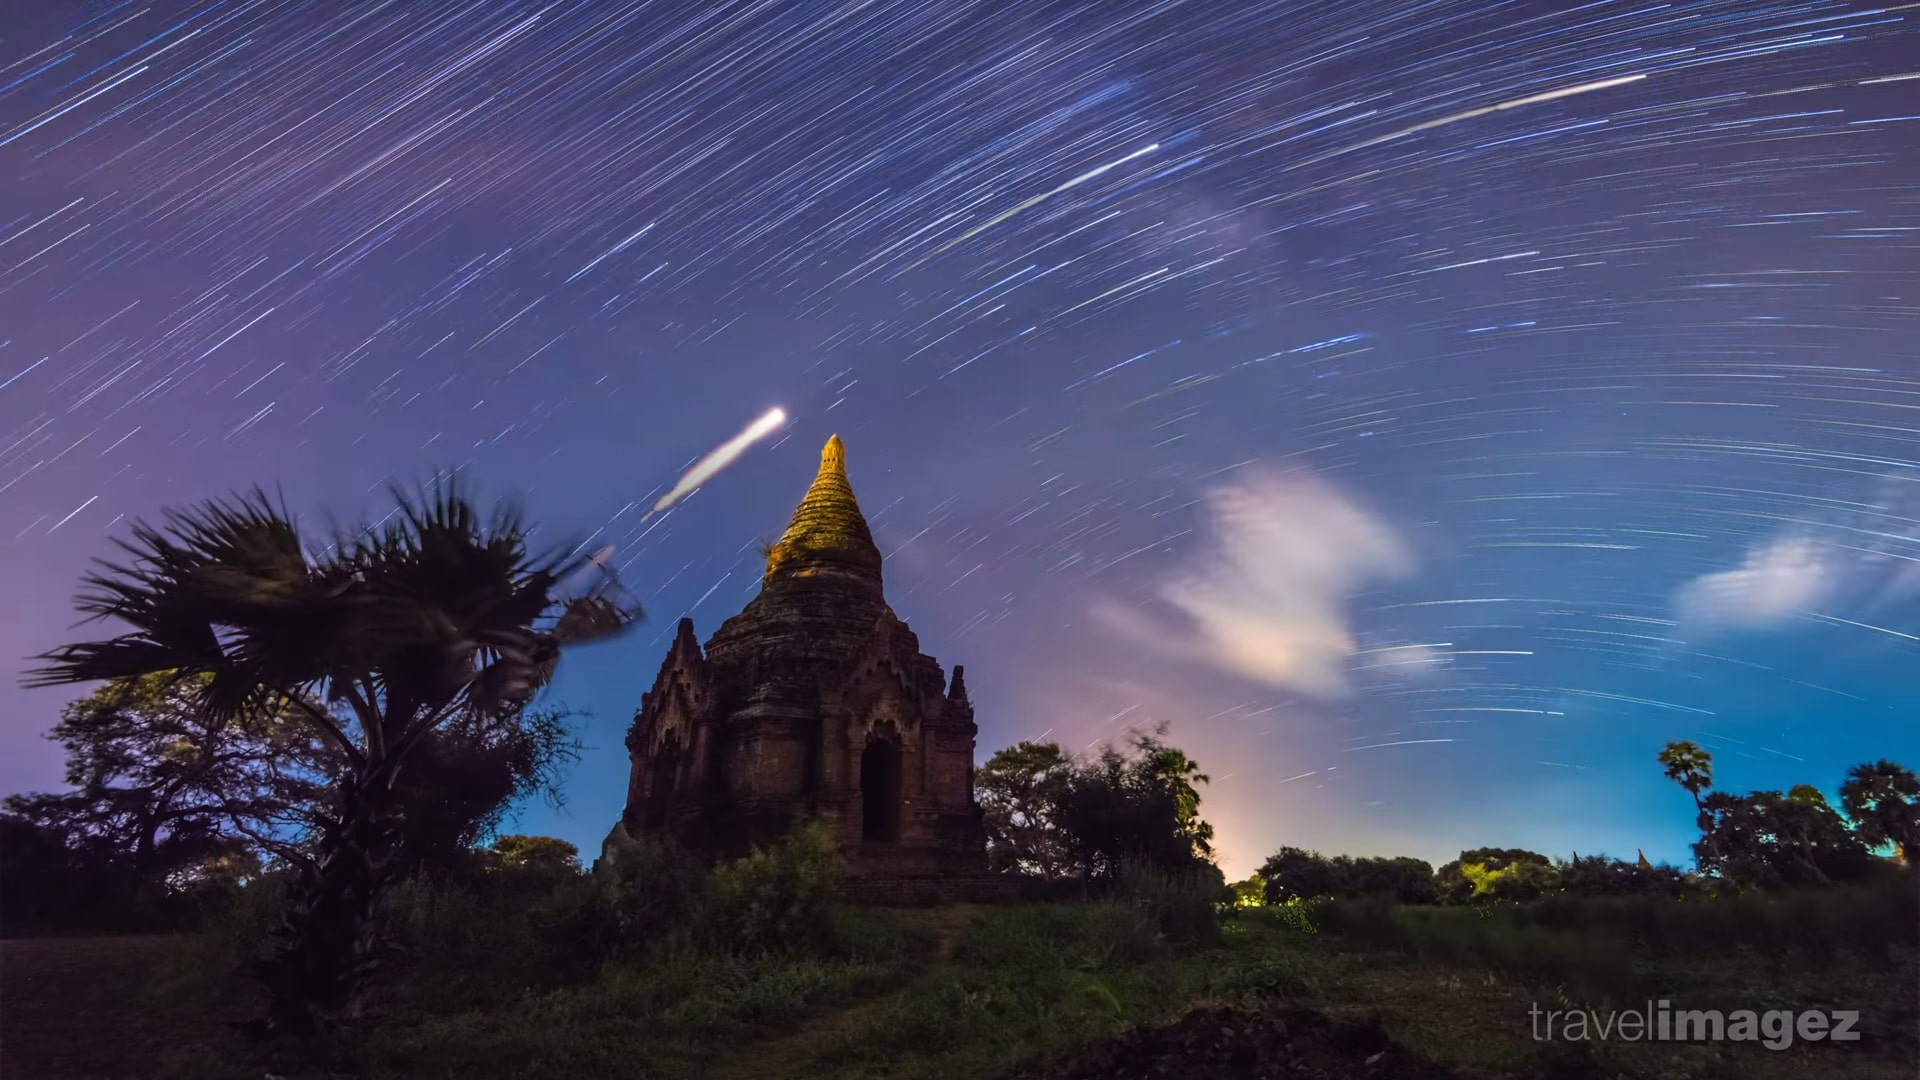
(828, 533)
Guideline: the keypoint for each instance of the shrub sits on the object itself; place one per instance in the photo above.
(776, 897)
(1296, 915)
(1185, 905)
(246, 926)
(651, 888)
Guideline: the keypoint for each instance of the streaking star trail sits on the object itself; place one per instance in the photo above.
(1504, 389)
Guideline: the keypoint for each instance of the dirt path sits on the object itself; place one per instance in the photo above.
(785, 1057)
(78, 1007)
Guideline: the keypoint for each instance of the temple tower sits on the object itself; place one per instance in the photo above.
(813, 702)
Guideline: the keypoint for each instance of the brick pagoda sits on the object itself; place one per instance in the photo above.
(813, 702)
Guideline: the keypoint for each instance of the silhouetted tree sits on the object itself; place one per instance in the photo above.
(1296, 874)
(1408, 880)
(1598, 875)
(1169, 770)
(1020, 789)
(1765, 839)
(1691, 767)
(49, 880)
(171, 795)
(171, 801)
(1883, 800)
(462, 781)
(1138, 806)
(378, 640)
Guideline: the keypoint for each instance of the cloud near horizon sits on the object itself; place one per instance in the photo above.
(1267, 598)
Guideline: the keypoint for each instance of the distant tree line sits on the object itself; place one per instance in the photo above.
(1765, 839)
(1760, 840)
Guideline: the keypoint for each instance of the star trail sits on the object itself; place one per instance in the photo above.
(1427, 409)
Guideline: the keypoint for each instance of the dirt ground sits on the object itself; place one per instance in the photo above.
(75, 1007)
(1248, 1044)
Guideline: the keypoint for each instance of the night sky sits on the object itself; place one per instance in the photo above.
(1428, 409)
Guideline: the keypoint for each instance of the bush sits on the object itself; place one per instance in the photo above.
(246, 926)
(1184, 905)
(777, 897)
(652, 888)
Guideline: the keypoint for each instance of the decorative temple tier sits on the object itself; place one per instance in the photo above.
(813, 702)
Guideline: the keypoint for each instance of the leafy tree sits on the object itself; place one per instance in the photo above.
(1296, 874)
(1766, 839)
(1250, 893)
(461, 782)
(1454, 885)
(1883, 799)
(1020, 789)
(46, 882)
(548, 854)
(172, 795)
(1408, 880)
(1170, 772)
(376, 640)
(172, 801)
(1523, 880)
(1138, 806)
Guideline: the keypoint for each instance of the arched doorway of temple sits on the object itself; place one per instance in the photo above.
(880, 788)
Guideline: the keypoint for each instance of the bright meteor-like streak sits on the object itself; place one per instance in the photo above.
(722, 456)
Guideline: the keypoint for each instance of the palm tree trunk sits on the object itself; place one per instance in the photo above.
(330, 941)
(1705, 821)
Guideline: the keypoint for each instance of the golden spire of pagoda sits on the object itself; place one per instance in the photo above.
(828, 532)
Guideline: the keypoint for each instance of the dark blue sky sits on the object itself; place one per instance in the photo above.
(1428, 410)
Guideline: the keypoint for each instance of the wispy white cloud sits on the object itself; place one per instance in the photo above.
(1858, 562)
(1779, 580)
(1267, 598)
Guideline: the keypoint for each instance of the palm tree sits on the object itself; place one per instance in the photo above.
(376, 641)
(1883, 799)
(1692, 768)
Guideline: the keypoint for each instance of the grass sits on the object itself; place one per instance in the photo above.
(988, 993)
(1028, 982)
(1457, 983)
